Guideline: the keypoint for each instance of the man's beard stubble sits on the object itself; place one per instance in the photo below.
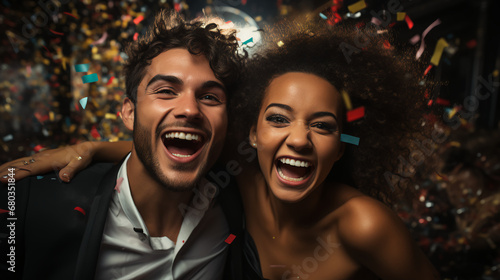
(142, 144)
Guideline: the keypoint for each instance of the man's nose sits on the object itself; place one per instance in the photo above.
(188, 107)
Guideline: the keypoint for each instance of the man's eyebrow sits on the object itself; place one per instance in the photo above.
(166, 78)
(322, 114)
(279, 105)
(213, 84)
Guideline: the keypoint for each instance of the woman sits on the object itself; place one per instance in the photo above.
(305, 218)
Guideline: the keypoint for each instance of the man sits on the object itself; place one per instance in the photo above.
(123, 222)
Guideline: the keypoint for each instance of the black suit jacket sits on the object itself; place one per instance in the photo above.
(53, 240)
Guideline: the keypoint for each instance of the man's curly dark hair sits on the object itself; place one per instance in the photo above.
(170, 31)
(374, 76)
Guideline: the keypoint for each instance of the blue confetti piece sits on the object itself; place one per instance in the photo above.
(68, 122)
(90, 78)
(39, 177)
(83, 102)
(322, 16)
(349, 139)
(53, 179)
(8, 138)
(247, 41)
(82, 67)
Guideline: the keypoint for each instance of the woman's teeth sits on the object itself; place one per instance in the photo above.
(183, 136)
(289, 178)
(292, 162)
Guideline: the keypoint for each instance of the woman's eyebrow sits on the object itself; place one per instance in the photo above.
(279, 105)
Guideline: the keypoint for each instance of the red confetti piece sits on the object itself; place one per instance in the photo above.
(360, 24)
(138, 19)
(118, 184)
(243, 2)
(3, 211)
(110, 80)
(355, 114)
(228, 22)
(177, 7)
(136, 35)
(79, 209)
(69, 14)
(387, 45)
(37, 148)
(427, 70)
(230, 238)
(95, 133)
(471, 44)
(392, 24)
(409, 22)
(430, 102)
(442, 101)
(55, 32)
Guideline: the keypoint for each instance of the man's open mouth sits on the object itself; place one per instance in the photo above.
(293, 170)
(182, 144)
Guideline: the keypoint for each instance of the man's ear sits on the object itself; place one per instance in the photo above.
(253, 136)
(128, 109)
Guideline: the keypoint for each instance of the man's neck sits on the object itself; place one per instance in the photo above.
(158, 206)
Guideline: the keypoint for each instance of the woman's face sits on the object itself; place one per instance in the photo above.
(297, 134)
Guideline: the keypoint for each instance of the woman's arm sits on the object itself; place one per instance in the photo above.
(378, 240)
(68, 160)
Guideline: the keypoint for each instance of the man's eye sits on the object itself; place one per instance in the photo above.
(278, 119)
(211, 99)
(165, 91)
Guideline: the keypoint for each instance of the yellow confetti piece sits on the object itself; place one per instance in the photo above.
(401, 16)
(495, 73)
(438, 52)
(455, 144)
(280, 44)
(110, 116)
(358, 6)
(51, 116)
(347, 100)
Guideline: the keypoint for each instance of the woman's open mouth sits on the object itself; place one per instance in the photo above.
(182, 145)
(293, 171)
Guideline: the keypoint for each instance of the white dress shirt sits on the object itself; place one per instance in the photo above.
(129, 252)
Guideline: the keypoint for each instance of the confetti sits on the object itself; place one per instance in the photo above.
(355, 114)
(401, 16)
(38, 148)
(426, 31)
(8, 138)
(83, 102)
(427, 70)
(82, 67)
(136, 35)
(39, 177)
(349, 139)
(138, 19)
(347, 100)
(409, 22)
(55, 32)
(101, 40)
(243, 2)
(118, 184)
(387, 45)
(69, 14)
(376, 21)
(110, 80)
(280, 44)
(247, 41)
(3, 211)
(230, 238)
(438, 52)
(356, 7)
(90, 78)
(95, 133)
(323, 16)
(79, 209)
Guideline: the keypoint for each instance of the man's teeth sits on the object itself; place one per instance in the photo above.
(182, 135)
(183, 156)
(289, 178)
(293, 162)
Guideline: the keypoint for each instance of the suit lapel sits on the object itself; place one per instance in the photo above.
(91, 242)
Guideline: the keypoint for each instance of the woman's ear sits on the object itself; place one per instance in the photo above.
(128, 115)
(253, 136)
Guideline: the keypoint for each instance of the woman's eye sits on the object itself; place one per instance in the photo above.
(278, 119)
(324, 126)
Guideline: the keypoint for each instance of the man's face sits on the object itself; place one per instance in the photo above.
(180, 119)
